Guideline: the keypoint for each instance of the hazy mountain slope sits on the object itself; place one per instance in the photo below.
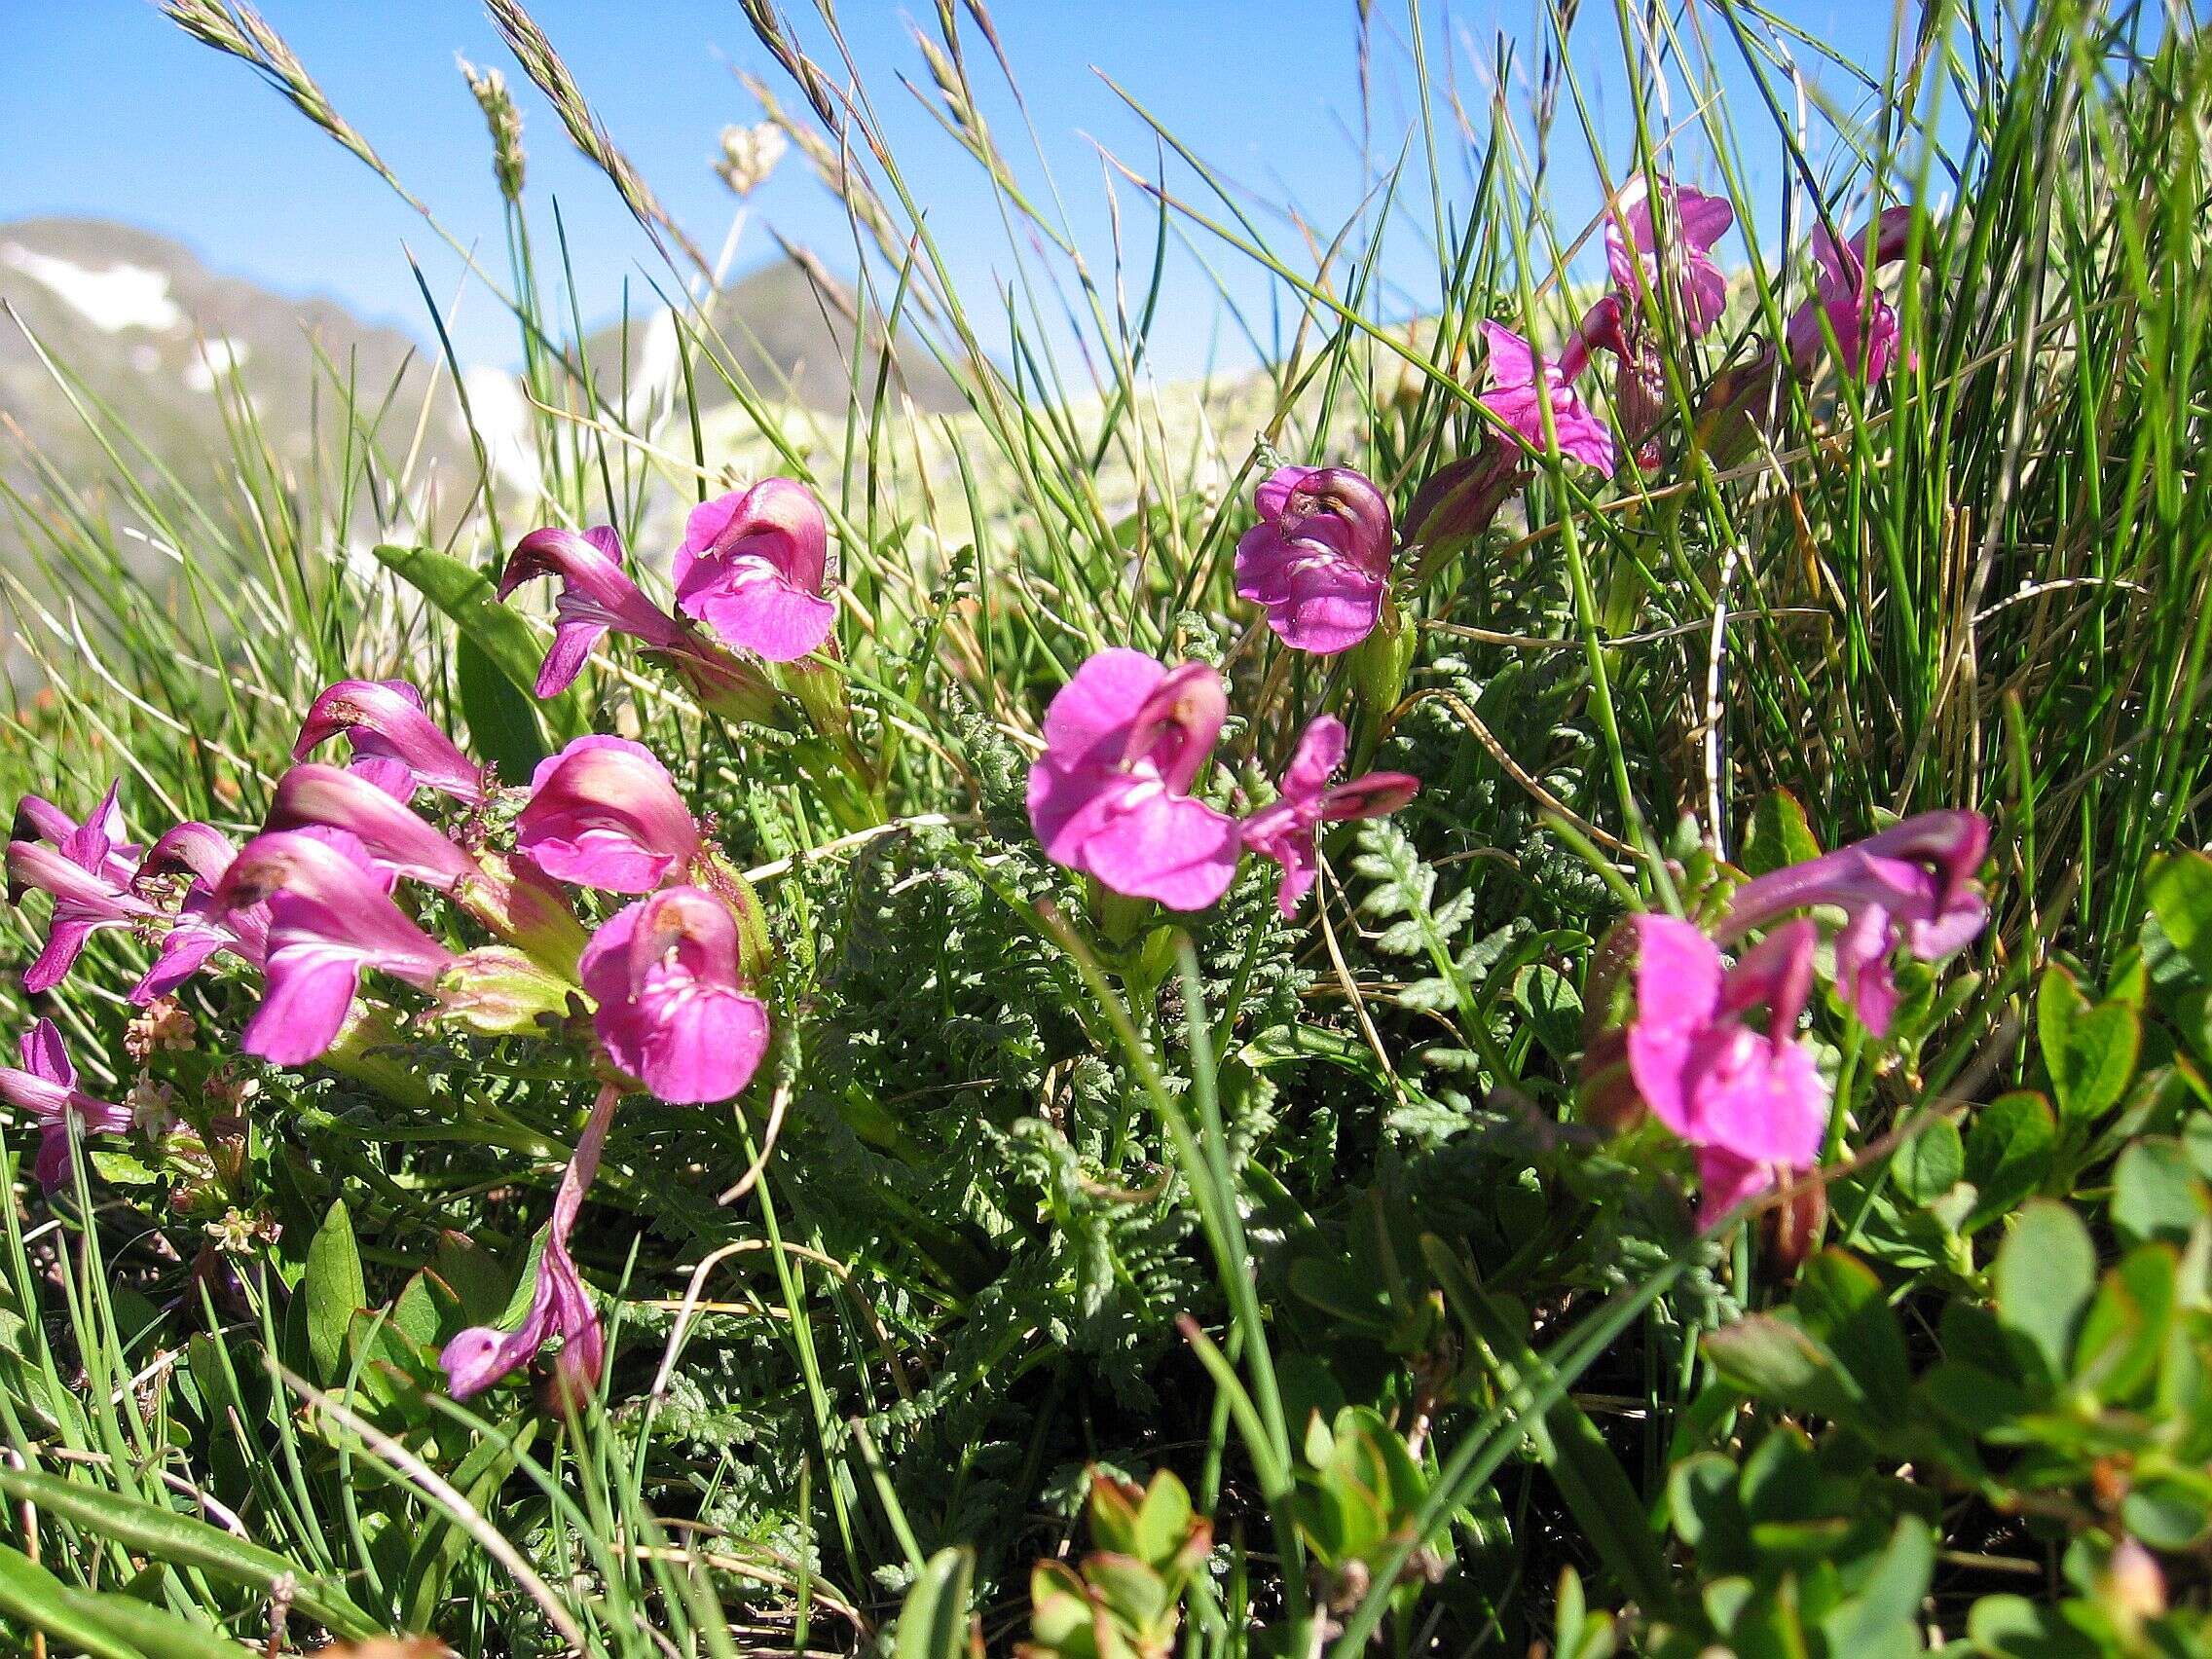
(145, 328)
(787, 331)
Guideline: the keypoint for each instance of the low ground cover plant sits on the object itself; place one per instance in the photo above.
(1538, 980)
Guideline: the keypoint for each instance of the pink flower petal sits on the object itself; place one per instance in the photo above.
(1756, 1097)
(758, 609)
(310, 991)
(1171, 848)
(1727, 1180)
(45, 1057)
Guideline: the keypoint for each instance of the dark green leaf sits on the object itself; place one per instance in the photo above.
(33, 1599)
(1779, 836)
(1782, 1363)
(1842, 1304)
(503, 722)
(2125, 1332)
(2165, 1514)
(2046, 1273)
(510, 644)
(334, 1290)
(932, 1620)
(2181, 898)
(2008, 1153)
(2089, 1051)
(1932, 1162)
(2156, 1193)
(185, 1541)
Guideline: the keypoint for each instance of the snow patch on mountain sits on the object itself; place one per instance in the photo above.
(111, 300)
(215, 360)
(503, 418)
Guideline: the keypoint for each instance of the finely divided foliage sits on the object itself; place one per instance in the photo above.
(1169, 1018)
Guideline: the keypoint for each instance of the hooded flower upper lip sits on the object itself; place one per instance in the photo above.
(330, 916)
(1286, 830)
(99, 838)
(1913, 883)
(1124, 742)
(1749, 1101)
(1864, 324)
(673, 1011)
(560, 1305)
(395, 743)
(752, 568)
(388, 829)
(1319, 558)
(595, 594)
(605, 813)
(200, 853)
(1693, 222)
(1514, 396)
(46, 1087)
(87, 869)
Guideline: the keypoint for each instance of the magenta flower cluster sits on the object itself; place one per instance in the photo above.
(1748, 1097)
(1659, 238)
(1863, 324)
(1666, 260)
(1126, 742)
(313, 905)
(1318, 562)
(751, 576)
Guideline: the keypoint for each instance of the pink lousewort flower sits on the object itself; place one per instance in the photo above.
(1288, 829)
(1517, 373)
(388, 831)
(752, 568)
(1319, 558)
(38, 819)
(395, 743)
(1751, 1102)
(596, 595)
(330, 917)
(673, 1009)
(1913, 884)
(87, 869)
(45, 1087)
(558, 1306)
(605, 813)
(200, 853)
(1690, 222)
(1111, 796)
(1864, 324)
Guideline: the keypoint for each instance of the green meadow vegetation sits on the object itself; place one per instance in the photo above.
(962, 1198)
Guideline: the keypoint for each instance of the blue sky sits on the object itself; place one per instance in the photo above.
(107, 109)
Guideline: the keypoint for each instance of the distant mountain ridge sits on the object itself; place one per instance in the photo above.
(150, 331)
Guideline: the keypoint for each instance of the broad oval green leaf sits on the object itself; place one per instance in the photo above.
(932, 1620)
(334, 1289)
(2046, 1273)
(508, 641)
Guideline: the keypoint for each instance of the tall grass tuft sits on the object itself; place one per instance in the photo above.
(1301, 1211)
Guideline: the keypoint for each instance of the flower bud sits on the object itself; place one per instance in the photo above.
(1604, 1093)
(2131, 1586)
(1737, 408)
(1792, 1227)
(755, 951)
(1380, 662)
(539, 917)
(735, 690)
(1460, 499)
